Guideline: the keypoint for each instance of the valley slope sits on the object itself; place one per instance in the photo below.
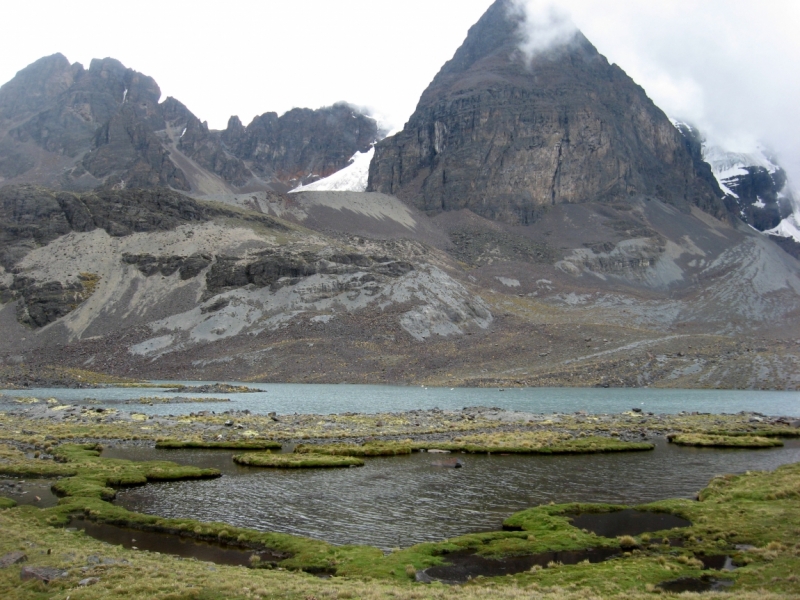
(537, 223)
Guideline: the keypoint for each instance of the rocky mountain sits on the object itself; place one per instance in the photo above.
(73, 128)
(536, 223)
(508, 135)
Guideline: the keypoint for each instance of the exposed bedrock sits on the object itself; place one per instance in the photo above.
(506, 136)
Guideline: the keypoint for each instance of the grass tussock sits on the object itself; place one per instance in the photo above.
(535, 442)
(297, 461)
(374, 448)
(724, 441)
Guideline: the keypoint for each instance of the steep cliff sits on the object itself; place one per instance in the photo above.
(506, 134)
(302, 145)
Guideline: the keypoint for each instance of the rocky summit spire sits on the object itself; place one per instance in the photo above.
(521, 118)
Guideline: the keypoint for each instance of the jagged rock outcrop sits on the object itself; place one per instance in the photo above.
(32, 216)
(505, 135)
(302, 145)
(68, 127)
(194, 139)
(275, 269)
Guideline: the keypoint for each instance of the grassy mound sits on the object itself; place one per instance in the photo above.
(538, 442)
(295, 461)
(724, 441)
(368, 449)
(6, 503)
(231, 445)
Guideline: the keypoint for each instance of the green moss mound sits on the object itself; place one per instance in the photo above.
(297, 461)
(724, 441)
(6, 503)
(367, 449)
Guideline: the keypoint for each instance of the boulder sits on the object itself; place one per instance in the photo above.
(12, 558)
(43, 574)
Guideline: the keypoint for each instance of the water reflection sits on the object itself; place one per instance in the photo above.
(399, 501)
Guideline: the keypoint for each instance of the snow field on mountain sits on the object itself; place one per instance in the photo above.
(353, 178)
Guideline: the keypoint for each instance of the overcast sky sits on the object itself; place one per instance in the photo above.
(731, 66)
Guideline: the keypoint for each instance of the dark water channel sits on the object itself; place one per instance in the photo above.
(627, 522)
(170, 544)
(399, 501)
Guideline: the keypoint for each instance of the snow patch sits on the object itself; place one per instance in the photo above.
(788, 228)
(353, 178)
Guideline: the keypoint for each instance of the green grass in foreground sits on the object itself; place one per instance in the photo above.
(375, 448)
(231, 445)
(297, 461)
(724, 441)
(759, 509)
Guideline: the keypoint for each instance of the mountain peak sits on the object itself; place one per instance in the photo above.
(36, 85)
(528, 114)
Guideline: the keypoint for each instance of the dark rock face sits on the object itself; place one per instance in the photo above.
(504, 136)
(206, 148)
(758, 202)
(32, 216)
(303, 144)
(69, 127)
(275, 269)
(188, 266)
(47, 302)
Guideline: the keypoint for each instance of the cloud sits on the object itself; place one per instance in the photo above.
(728, 66)
(544, 26)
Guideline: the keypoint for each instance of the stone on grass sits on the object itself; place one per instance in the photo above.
(43, 574)
(12, 558)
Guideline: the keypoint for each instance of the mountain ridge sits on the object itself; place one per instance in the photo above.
(74, 128)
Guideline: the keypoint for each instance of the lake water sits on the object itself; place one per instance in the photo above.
(399, 501)
(326, 399)
(402, 500)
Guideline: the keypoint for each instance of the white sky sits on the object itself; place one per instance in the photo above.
(731, 66)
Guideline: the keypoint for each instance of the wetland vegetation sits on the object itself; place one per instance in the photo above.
(297, 461)
(753, 518)
(725, 441)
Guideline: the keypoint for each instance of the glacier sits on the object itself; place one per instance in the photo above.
(353, 178)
